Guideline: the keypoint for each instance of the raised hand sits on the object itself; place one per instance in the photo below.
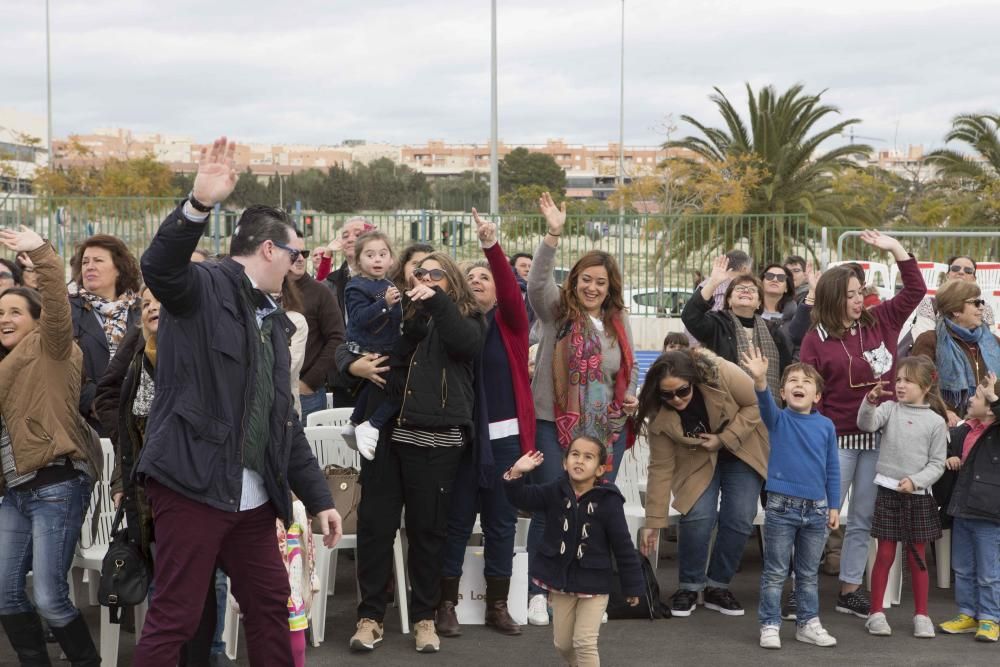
(756, 364)
(216, 177)
(812, 277)
(555, 217)
(875, 238)
(989, 387)
(24, 240)
(877, 392)
(486, 230)
(527, 463)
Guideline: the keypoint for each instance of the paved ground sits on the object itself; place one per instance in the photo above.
(704, 638)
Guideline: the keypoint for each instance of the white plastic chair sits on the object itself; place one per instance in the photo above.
(329, 400)
(330, 417)
(95, 536)
(931, 271)
(330, 448)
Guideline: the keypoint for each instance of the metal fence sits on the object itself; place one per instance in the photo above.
(661, 255)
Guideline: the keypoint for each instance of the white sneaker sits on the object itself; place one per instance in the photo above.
(923, 627)
(813, 632)
(347, 433)
(604, 619)
(367, 436)
(769, 636)
(538, 610)
(878, 625)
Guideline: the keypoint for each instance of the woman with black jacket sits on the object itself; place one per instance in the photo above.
(736, 328)
(417, 459)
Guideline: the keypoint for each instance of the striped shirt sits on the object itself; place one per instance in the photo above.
(450, 436)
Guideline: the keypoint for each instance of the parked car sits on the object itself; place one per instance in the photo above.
(654, 302)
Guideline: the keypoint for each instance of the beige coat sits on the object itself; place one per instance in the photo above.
(40, 382)
(678, 464)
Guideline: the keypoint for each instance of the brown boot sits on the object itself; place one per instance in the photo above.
(445, 618)
(497, 615)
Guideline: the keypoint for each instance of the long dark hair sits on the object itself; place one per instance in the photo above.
(831, 301)
(789, 286)
(676, 363)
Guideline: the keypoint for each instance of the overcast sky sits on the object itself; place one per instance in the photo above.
(320, 71)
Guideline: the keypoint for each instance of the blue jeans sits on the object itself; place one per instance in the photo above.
(313, 402)
(792, 524)
(740, 486)
(547, 443)
(39, 529)
(497, 516)
(857, 472)
(975, 558)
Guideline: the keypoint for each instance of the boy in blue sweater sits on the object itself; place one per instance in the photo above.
(803, 497)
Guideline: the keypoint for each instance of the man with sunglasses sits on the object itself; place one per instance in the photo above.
(223, 450)
(960, 267)
(326, 331)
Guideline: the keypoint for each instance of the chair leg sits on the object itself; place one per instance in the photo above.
(399, 563)
(93, 584)
(231, 629)
(333, 571)
(110, 633)
(942, 556)
(140, 618)
(317, 616)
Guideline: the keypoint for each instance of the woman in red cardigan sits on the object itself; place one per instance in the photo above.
(505, 429)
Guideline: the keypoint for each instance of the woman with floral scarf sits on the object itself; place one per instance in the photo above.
(585, 373)
(104, 296)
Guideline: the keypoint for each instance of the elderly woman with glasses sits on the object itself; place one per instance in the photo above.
(854, 348)
(706, 441)
(960, 268)
(960, 345)
(739, 326)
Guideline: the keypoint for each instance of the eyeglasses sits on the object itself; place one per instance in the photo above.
(667, 395)
(978, 303)
(435, 274)
(850, 370)
(745, 289)
(967, 270)
(304, 254)
(775, 277)
(294, 253)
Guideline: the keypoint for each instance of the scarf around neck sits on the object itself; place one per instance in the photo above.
(114, 314)
(957, 378)
(763, 341)
(581, 405)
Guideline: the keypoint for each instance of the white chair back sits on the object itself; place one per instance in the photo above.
(100, 512)
(329, 447)
(330, 417)
(931, 271)
(632, 471)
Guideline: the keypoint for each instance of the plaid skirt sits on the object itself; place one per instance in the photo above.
(905, 517)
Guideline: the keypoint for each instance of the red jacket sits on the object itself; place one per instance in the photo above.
(512, 321)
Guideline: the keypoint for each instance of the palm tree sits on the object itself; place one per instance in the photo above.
(796, 175)
(980, 133)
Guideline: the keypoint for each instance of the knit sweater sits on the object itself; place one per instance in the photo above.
(914, 440)
(543, 294)
(804, 461)
(830, 355)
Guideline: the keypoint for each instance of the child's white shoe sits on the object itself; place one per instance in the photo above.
(538, 610)
(770, 637)
(367, 436)
(878, 625)
(814, 633)
(923, 627)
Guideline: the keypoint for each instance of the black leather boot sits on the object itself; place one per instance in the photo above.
(445, 618)
(497, 615)
(25, 633)
(77, 643)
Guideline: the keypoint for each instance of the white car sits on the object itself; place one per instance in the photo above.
(656, 302)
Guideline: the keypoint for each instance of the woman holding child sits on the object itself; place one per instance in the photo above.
(706, 440)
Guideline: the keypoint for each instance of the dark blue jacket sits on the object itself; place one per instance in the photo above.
(372, 323)
(580, 537)
(205, 368)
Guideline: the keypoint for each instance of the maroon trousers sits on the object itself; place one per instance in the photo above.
(190, 538)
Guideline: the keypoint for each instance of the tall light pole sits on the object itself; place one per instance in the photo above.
(48, 82)
(621, 152)
(494, 166)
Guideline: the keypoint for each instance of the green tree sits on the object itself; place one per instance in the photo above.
(780, 134)
(521, 168)
(974, 176)
(249, 191)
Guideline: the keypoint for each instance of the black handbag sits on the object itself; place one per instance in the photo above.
(650, 606)
(124, 571)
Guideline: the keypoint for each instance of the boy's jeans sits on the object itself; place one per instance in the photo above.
(975, 557)
(792, 525)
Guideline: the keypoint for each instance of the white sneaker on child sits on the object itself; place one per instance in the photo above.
(770, 637)
(347, 433)
(878, 625)
(813, 632)
(367, 436)
(923, 627)
(538, 610)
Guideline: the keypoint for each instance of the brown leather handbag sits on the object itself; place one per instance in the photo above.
(346, 491)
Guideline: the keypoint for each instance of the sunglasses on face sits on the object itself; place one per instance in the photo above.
(294, 253)
(667, 395)
(978, 303)
(968, 270)
(775, 277)
(304, 254)
(435, 274)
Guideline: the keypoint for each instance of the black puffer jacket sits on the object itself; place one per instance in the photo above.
(976, 493)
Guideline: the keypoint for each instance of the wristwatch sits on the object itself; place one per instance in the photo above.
(197, 205)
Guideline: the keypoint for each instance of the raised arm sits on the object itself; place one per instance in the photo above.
(739, 386)
(543, 294)
(56, 323)
(900, 307)
(509, 301)
(166, 264)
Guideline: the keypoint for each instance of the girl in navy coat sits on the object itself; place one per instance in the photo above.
(585, 525)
